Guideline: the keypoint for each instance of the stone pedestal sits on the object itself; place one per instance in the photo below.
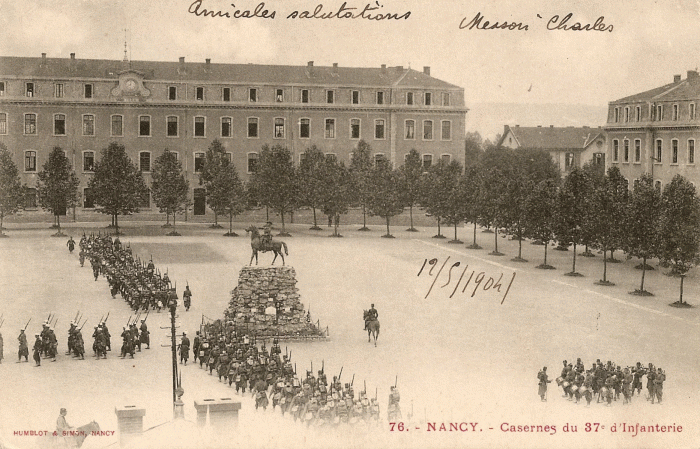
(223, 413)
(266, 303)
(129, 422)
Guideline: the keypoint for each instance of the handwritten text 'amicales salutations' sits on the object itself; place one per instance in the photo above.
(371, 11)
(555, 23)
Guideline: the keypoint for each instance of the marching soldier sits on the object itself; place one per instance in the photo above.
(393, 409)
(187, 297)
(195, 346)
(651, 375)
(23, 347)
(184, 348)
(659, 379)
(107, 336)
(37, 349)
(543, 381)
(70, 244)
(145, 334)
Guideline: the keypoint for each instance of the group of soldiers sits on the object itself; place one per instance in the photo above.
(270, 376)
(605, 382)
(141, 285)
(45, 343)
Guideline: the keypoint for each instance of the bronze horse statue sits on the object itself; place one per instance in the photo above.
(257, 244)
(372, 328)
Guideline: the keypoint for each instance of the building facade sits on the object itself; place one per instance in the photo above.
(656, 132)
(569, 146)
(147, 106)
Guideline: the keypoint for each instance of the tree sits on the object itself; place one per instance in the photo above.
(539, 218)
(496, 166)
(472, 183)
(169, 186)
(227, 194)
(275, 181)
(596, 175)
(410, 178)
(385, 198)
(642, 225)
(608, 214)
(11, 189)
(361, 172)
(311, 180)
(473, 147)
(57, 187)
(441, 196)
(572, 201)
(680, 228)
(117, 184)
(336, 194)
(214, 159)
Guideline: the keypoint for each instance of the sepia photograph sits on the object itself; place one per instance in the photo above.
(349, 224)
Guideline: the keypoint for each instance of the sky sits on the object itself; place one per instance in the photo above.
(650, 42)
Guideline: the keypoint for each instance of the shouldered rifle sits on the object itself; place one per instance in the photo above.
(353, 380)
(103, 322)
(396, 381)
(341, 373)
(25, 326)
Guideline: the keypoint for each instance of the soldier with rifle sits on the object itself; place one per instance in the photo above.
(38, 344)
(184, 348)
(145, 334)
(23, 346)
(187, 297)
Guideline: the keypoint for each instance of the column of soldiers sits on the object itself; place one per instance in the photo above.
(141, 285)
(268, 375)
(605, 382)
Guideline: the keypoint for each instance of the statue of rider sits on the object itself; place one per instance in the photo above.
(266, 238)
(372, 315)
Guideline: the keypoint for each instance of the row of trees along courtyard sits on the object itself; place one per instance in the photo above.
(518, 193)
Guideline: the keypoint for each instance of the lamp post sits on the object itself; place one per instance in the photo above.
(178, 411)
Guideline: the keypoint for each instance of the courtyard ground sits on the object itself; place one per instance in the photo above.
(459, 358)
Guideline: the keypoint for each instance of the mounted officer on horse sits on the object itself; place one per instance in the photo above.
(265, 243)
(372, 324)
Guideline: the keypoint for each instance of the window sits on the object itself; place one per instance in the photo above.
(199, 93)
(445, 99)
(171, 126)
(331, 157)
(330, 128)
(3, 123)
(59, 125)
(88, 198)
(355, 128)
(279, 128)
(172, 93)
(29, 89)
(427, 161)
(87, 89)
(427, 130)
(145, 161)
(252, 127)
(617, 115)
(380, 97)
(226, 126)
(199, 127)
(638, 113)
(117, 128)
(659, 112)
(229, 157)
(330, 96)
(355, 97)
(144, 125)
(691, 151)
(29, 123)
(410, 126)
(637, 151)
(409, 97)
(58, 90)
(30, 161)
(305, 95)
(674, 151)
(627, 114)
(658, 151)
(88, 125)
(657, 184)
(88, 161)
(30, 198)
(428, 98)
(616, 150)
(279, 95)
(304, 128)
(226, 94)
(380, 160)
(199, 159)
(675, 112)
(446, 158)
(446, 130)
(691, 111)
(379, 129)
(569, 161)
(599, 159)
(252, 162)
(253, 95)
(2, 88)
(625, 150)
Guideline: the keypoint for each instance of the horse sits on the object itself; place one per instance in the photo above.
(73, 438)
(372, 328)
(257, 245)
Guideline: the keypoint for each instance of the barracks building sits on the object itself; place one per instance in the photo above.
(82, 105)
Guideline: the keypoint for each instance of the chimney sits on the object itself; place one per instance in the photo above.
(399, 68)
(310, 64)
(539, 126)
(72, 56)
(335, 67)
(676, 78)
(426, 70)
(43, 60)
(517, 126)
(551, 126)
(208, 61)
(182, 60)
(383, 67)
(692, 74)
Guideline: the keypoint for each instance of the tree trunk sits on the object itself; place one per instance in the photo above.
(520, 241)
(267, 213)
(116, 224)
(644, 270)
(573, 269)
(314, 209)
(546, 244)
(410, 214)
(681, 298)
(335, 227)
(439, 231)
(216, 219)
(474, 233)
(455, 231)
(364, 217)
(605, 265)
(387, 226)
(230, 223)
(282, 215)
(495, 239)
(58, 223)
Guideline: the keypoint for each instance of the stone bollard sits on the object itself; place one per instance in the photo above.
(223, 413)
(130, 422)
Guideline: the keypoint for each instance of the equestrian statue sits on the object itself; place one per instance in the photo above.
(264, 244)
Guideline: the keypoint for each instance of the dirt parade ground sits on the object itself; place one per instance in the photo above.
(463, 334)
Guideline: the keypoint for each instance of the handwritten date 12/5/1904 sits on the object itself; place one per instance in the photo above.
(555, 23)
(476, 282)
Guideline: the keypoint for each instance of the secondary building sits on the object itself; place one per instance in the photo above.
(82, 105)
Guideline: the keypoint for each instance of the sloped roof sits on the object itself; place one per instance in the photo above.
(201, 71)
(552, 138)
(688, 88)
